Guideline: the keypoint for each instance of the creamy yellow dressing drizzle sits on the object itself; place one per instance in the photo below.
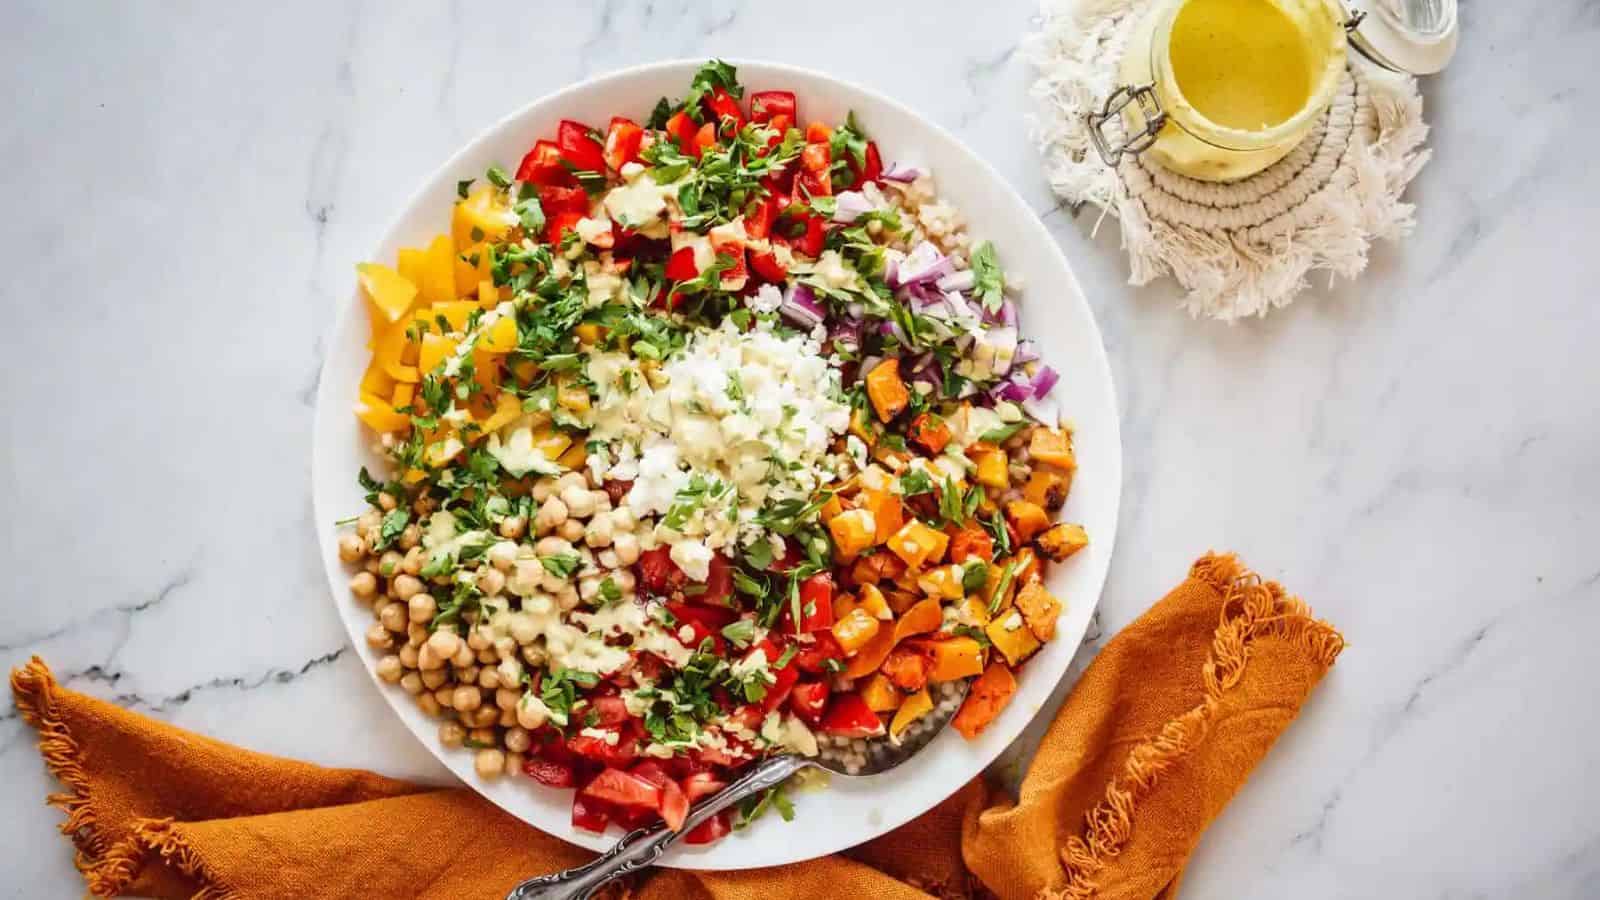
(1240, 63)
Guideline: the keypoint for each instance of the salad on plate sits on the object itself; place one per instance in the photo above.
(705, 435)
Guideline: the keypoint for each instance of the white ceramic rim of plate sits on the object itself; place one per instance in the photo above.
(850, 811)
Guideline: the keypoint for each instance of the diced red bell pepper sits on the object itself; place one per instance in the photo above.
(815, 158)
(808, 699)
(758, 221)
(551, 773)
(542, 165)
(623, 140)
(738, 272)
(767, 267)
(765, 105)
(705, 138)
(579, 148)
(748, 716)
(557, 224)
(723, 106)
(701, 784)
(811, 243)
(849, 716)
(816, 605)
(812, 657)
(658, 574)
(713, 618)
(589, 814)
(555, 199)
(812, 184)
(873, 171)
(778, 691)
(680, 265)
(818, 133)
(711, 830)
(623, 789)
(682, 129)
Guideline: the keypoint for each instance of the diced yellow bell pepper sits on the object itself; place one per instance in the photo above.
(402, 394)
(576, 456)
(471, 267)
(572, 396)
(873, 601)
(435, 350)
(485, 210)
(441, 451)
(992, 468)
(589, 333)
(915, 707)
(507, 407)
(390, 293)
(376, 381)
(916, 544)
(852, 532)
(488, 294)
(412, 263)
(439, 272)
(456, 312)
(880, 695)
(390, 353)
(379, 415)
(501, 337)
(552, 444)
(412, 476)
(855, 630)
(1012, 637)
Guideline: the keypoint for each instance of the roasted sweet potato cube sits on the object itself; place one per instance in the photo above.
(993, 469)
(1027, 518)
(985, 699)
(1011, 636)
(1061, 541)
(1053, 446)
(917, 545)
(907, 667)
(877, 568)
(887, 390)
(1039, 609)
(1046, 487)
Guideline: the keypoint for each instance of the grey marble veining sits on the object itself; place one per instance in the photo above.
(1415, 452)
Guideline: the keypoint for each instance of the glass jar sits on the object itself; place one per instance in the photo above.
(1220, 89)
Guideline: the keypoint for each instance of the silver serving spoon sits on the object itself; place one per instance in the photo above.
(643, 846)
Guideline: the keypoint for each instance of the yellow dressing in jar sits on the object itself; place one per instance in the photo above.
(1240, 63)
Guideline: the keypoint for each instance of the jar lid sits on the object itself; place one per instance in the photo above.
(1417, 37)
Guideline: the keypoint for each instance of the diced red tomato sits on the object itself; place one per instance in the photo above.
(815, 158)
(808, 699)
(555, 199)
(549, 772)
(711, 830)
(748, 716)
(719, 581)
(907, 668)
(778, 691)
(758, 221)
(623, 789)
(680, 265)
(702, 784)
(812, 657)
(767, 267)
(705, 138)
(849, 716)
(603, 751)
(658, 574)
(560, 223)
(712, 618)
(674, 806)
(612, 710)
(542, 165)
(588, 814)
(723, 106)
(818, 133)
(682, 128)
(816, 605)
(579, 148)
(873, 171)
(623, 139)
(812, 184)
(766, 105)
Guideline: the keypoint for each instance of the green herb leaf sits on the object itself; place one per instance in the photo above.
(394, 522)
(463, 186)
(989, 283)
(561, 565)
(1004, 433)
(498, 177)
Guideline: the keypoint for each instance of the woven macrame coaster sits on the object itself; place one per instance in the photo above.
(1245, 247)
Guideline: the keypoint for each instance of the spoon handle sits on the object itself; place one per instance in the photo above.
(643, 846)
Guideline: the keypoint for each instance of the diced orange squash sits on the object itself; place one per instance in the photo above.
(877, 568)
(1052, 446)
(1063, 540)
(575, 456)
(1027, 518)
(525, 370)
(900, 601)
(861, 425)
(589, 333)
(1046, 487)
(954, 658)
(412, 476)
(855, 630)
(442, 450)
(915, 707)
(992, 466)
(486, 370)
(435, 350)
(500, 337)
(917, 545)
(943, 582)
(831, 507)
(390, 293)
(438, 283)
(880, 695)
(1027, 568)
(974, 609)
(843, 603)
(1010, 634)
(1000, 590)
(488, 294)
(887, 390)
(872, 654)
(930, 432)
(888, 513)
(1039, 609)
(985, 699)
(853, 531)
(480, 216)
(456, 312)
(572, 396)
(402, 394)
(907, 667)
(923, 618)
(873, 602)
(379, 415)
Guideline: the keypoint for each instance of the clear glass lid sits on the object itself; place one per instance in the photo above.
(1413, 36)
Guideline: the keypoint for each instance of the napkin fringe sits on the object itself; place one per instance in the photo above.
(1251, 609)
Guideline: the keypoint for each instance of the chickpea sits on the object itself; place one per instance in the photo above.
(579, 501)
(627, 547)
(622, 519)
(508, 718)
(588, 587)
(491, 581)
(602, 502)
(386, 501)
(506, 698)
(517, 739)
(451, 734)
(598, 534)
(607, 559)
(369, 520)
(464, 656)
(446, 696)
(405, 586)
(489, 763)
(351, 547)
(478, 639)
(389, 668)
(407, 656)
(444, 643)
(411, 683)
(523, 631)
(370, 566)
(625, 580)
(434, 679)
(468, 675)
(413, 561)
(416, 634)
(513, 764)
(364, 585)
(421, 608)
(424, 505)
(550, 516)
(544, 489)
(503, 555)
(488, 656)
(534, 655)
(489, 678)
(410, 537)
(552, 546)
(513, 527)
(389, 563)
(428, 659)
(379, 638)
(393, 616)
(571, 530)
(532, 716)
(510, 671)
(466, 698)
(482, 717)
(574, 478)
(428, 705)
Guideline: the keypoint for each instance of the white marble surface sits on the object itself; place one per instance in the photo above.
(1415, 453)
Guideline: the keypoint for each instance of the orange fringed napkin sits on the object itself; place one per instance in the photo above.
(1156, 737)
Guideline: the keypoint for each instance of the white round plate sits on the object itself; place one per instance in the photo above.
(1054, 312)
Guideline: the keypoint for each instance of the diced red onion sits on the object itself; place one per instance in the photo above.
(800, 306)
(902, 174)
(1011, 391)
(958, 305)
(1026, 352)
(1006, 315)
(1044, 380)
(968, 389)
(891, 328)
(850, 206)
(855, 309)
(963, 280)
(1045, 412)
(846, 333)
(923, 264)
